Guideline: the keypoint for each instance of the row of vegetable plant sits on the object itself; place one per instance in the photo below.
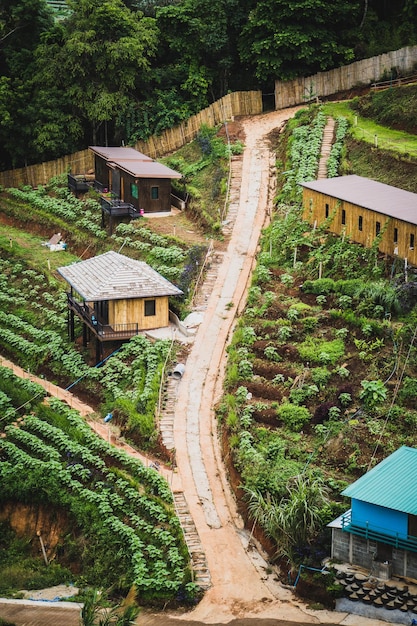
(52, 458)
(309, 382)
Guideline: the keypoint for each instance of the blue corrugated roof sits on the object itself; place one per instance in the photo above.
(392, 483)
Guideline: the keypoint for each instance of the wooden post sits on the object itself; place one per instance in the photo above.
(45, 558)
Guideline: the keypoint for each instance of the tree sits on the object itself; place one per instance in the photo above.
(283, 40)
(102, 60)
(22, 24)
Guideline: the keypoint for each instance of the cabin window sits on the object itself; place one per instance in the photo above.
(343, 216)
(377, 228)
(411, 241)
(154, 193)
(360, 222)
(327, 210)
(150, 308)
(134, 191)
(395, 235)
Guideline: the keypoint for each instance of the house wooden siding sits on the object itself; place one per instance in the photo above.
(398, 235)
(148, 190)
(145, 199)
(133, 311)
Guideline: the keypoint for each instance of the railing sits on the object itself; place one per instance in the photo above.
(115, 206)
(104, 332)
(394, 82)
(376, 533)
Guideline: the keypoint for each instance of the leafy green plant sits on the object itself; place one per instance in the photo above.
(373, 393)
(271, 353)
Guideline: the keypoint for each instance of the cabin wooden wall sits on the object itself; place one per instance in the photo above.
(101, 171)
(132, 311)
(145, 201)
(314, 212)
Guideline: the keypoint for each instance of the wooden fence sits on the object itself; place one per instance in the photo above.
(232, 105)
(365, 72)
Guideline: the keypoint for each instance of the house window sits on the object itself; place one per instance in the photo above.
(360, 222)
(150, 308)
(134, 191)
(343, 216)
(154, 193)
(395, 235)
(411, 241)
(327, 210)
(377, 228)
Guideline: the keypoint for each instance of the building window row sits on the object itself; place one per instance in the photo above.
(377, 227)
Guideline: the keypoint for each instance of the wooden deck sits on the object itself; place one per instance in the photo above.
(103, 332)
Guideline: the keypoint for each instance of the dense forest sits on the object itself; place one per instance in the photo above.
(115, 72)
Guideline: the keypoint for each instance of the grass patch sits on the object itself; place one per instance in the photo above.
(364, 129)
(27, 247)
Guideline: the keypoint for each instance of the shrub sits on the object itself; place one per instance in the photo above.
(314, 350)
(301, 394)
(310, 324)
(321, 286)
(345, 399)
(320, 376)
(293, 416)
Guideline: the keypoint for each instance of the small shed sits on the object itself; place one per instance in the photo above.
(381, 525)
(134, 178)
(116, 297)
(364, 209)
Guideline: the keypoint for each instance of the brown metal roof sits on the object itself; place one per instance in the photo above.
(147, 169)
(135, 163)
(369, 194)
(113, 276)
(114, 153)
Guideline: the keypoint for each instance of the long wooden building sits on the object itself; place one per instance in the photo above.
(365, 209)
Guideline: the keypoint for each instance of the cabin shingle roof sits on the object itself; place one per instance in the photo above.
(391, 484)
(113, 276)
(369, 194)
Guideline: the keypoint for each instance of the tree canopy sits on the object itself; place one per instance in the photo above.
(119, 70)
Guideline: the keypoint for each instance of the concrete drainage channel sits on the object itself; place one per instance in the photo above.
(167, 415)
